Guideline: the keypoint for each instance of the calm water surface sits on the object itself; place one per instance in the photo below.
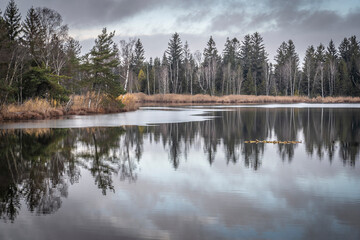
(184, 173)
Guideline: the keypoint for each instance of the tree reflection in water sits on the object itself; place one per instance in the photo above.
(37, 165)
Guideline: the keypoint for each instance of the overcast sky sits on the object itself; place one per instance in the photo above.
(153, 21)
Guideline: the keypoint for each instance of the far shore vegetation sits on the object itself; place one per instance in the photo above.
(44, 75)
(83, 105)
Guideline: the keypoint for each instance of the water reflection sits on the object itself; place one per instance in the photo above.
(38, 166)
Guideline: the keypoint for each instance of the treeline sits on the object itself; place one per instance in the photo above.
(38, 58)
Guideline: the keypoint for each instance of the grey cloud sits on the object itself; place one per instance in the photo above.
(227, 21)
(301, 20)
(94, 12)
(277, 20)
(84, 13)
(193, 16)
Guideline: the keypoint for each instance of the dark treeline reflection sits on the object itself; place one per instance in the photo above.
(38, 165)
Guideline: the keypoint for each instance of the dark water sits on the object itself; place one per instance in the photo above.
(185, 180)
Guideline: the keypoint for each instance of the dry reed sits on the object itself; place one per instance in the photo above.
(129, 101)
(236, 99)
(89, 103)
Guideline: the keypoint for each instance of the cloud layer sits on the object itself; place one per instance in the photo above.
(306, 22)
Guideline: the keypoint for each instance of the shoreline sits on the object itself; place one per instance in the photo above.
(141, 99)
(51, 114)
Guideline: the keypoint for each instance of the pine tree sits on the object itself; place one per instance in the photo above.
(258, 59)
(354, 66)
(344, 50)
(292, 65)
(4, 58)
(33, 34)
(249, 87)
(211, 65)
(319, 75)
(175, 57)
(245, 54)
(104, 61)
(72, 66)
(309, 70)
(12, 18)
(280, 60)
(230, 66)
(331, 62)
(231, 51)
(210, 51)
(139, 56)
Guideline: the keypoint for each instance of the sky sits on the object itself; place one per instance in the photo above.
(306, 22)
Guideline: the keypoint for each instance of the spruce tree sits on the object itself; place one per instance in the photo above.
(12, 18)
(175, 57)
(331, 63)
(211, 64)
(231, 51)
(319, 76)
(258, 59)
(210, 51)
(354, 66)
(139, 56)
(245, 54)
(104, 61)
(33, 34)
(309, 70)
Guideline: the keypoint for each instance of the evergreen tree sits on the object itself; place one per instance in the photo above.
(344, 50)
(318, 87)
(231, 66)
(354, 65)
(245, 54)
(139, 56)
(210, 51)
(72, 66)
(280, 60)
(4, 58)
(211, 65)
(33, 34)
(249, 87)
(309, 70)
(291, 65)
(331, 62)
(175, 57)
(104, 61)
(259, 58)
(12, 18)
(231, 52)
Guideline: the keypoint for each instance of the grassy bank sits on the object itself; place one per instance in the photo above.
(90, 104)
(37, 109)
(235, 99)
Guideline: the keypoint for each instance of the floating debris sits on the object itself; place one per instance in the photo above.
(274, 142)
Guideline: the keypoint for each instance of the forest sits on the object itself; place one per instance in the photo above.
(39, 59)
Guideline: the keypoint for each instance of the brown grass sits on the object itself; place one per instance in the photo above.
(31, 109)
(129, 101)
(37, 104)
(235, 99)
(81, 105)
(43, 109)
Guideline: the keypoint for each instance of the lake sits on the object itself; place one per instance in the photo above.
(184, 173)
